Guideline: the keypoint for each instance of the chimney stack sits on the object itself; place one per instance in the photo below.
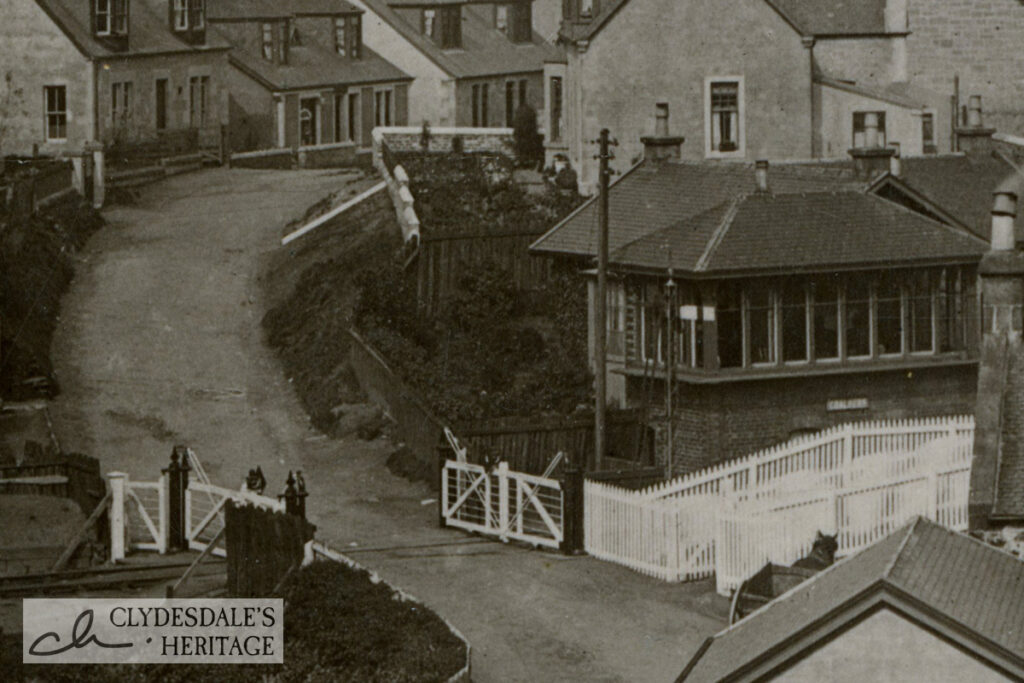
(895, 163)
(997, 451)
(871, 159)
(761, 174)
(661, 146)
(870, 130)
(974, 136)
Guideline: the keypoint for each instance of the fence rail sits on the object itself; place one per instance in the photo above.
(861, 480)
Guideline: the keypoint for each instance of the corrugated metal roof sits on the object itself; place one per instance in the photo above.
(148, 29)
(764, 232)
(973, 584)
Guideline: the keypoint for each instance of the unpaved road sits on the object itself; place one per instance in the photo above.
(160, 343)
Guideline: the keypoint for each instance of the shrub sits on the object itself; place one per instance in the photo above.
(529, 144)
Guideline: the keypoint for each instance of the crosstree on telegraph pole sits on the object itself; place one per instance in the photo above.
(601, 317)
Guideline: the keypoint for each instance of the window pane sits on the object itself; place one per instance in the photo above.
(919, 298)
(730, 327)
(826, 319)
(950, 313)
(858, 317)
(890, 316)
(762, 327)
(794, 321)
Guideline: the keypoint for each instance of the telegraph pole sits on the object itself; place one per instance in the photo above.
(670, 305)
(601, 317)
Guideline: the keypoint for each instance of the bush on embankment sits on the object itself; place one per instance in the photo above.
(338, 626)
(36, 268)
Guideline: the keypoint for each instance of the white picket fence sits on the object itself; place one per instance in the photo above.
(859, 479)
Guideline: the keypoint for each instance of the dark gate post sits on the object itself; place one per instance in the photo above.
(572, 516)
(177, 485)
(294, 498)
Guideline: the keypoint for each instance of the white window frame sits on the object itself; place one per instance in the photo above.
(385, 95)
(267, 31)
(741, 128)
(501, 17)
(47, 113)
(935, 136)
(104, 8)
(180, 11)
(341, 31)
(429, 22)
(204, 81)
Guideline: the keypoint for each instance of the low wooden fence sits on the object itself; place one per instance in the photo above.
(673, 530)
(442, 258)
(264, 547)
(419, 428)
(30, 184)
(528, 444)
(69, 475)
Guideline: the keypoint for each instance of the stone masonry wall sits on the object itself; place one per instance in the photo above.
(981, 40)
(716, 423)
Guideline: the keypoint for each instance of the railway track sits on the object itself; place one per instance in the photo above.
(102, 578)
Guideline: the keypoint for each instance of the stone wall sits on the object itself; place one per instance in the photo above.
(676, 46)
(979, 40)
(408, 139)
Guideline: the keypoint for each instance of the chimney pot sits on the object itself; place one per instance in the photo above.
(761, 174)
(661, 145)
(974, 111)
(661, 119)
(1004, 214)
(895, 163)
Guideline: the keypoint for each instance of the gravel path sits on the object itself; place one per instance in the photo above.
(160, 343)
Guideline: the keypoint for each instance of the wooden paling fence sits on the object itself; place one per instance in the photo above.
(263, 547)
(527, 444)
(861, 472)
(66, 475)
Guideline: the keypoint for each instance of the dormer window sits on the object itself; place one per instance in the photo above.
(520, 29)
(188, 15)
(347, 36)
(267, 32)
(501, 18)
(451, 27)
(443, 25)
(586, 8)
(429, 15)
(111, 17)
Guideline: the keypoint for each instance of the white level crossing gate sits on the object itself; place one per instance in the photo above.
(502, 503)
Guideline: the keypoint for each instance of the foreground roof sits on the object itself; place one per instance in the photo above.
(148, 32)
(655, 195)
(962, 184)
(484, 52)
(765, 232)
(975, 588)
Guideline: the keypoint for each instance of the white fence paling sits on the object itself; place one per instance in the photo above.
(670, 530)
(502, 503)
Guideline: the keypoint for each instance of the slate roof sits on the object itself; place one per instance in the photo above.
(311, 66)
(979, 588)
(764, 232)
(148, 30)
(962, 184)
(274, 9)
(807, 17)
(484, 52)
(834, 17)
(652, 196)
